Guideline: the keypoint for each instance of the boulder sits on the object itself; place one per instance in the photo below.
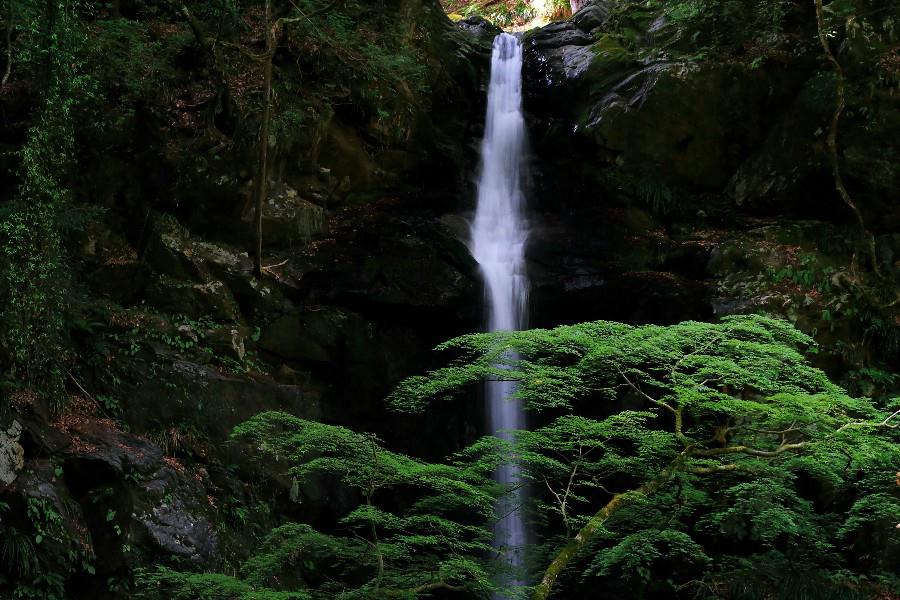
(557, 35)
(195, 300)
(227, 341)
(311, 335)
(593, 15)
(98, 442)
(173, 529)
(213, 401)
(173, 251)
(480, 28)
(289, 219)
(168, 249)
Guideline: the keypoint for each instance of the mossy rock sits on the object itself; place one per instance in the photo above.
(195, 300)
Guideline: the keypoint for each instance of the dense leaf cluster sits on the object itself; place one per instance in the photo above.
(720, 448)
(417, 526)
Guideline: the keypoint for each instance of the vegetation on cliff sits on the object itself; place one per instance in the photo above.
(231, 228)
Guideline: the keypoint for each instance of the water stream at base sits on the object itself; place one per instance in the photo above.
(498, 244)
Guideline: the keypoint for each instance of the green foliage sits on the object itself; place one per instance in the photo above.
(637, 558)
(501, 14)
(697, 30)
(726, 23)
(179, 334)
(728, 455)
(38, 560)
(419, 526)
(165, 583)
(566, 364)
(870, 528)
(742, 438)
(33, 271)
(132, 64)
(355, 53)
(654, 193)
(806, 272)
(18, 553)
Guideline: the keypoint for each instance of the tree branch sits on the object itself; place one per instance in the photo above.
(885, 423)
(644, 394)
(705, 453)
(371, 493)
(425, 587)
(565, 498)
(731, 467)
(193, 23)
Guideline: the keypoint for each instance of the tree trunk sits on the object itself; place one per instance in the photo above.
(831, 139)
(9, 29)
(262, 177)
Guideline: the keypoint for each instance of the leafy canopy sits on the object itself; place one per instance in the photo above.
(417, 526)
(752, 438)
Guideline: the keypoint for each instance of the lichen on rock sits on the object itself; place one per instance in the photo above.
(12, 455)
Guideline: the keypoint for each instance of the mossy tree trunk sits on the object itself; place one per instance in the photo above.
(587, 533)
(831, 139)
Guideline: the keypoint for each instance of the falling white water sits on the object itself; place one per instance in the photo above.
(498, 244)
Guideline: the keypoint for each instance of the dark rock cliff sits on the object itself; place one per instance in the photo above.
(176, 342)
(666, 186)
(671, 187)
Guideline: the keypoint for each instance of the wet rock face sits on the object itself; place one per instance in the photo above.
(558, 35)
(696, 123)
(556, 56)
(593, 15)
(692, 125)
(177, 532)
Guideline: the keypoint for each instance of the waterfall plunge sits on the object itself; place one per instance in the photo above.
(498, 244)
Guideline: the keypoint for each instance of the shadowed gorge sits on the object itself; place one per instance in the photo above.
(332, 299)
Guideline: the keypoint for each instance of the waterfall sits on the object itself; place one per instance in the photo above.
(498, 244)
